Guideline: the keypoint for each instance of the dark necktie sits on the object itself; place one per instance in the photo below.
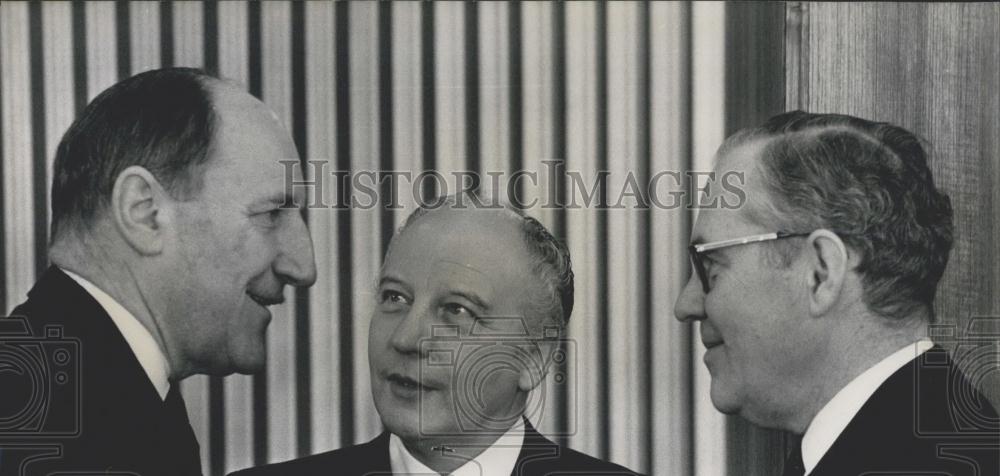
(181, 448)
(793, 464)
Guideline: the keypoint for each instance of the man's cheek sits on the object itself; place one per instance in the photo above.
(378, 335)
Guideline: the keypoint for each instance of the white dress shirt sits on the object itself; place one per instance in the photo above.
(831, 420)
(145, 348)
(498, 460)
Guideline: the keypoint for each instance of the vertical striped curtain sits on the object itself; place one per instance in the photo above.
(561, 90)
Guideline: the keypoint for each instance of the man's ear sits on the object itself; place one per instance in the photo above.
(827, 265)
(137, 201)
(532, 375)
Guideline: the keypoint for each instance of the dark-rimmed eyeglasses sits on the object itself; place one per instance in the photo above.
(698, 250)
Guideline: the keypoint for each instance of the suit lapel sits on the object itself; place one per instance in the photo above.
(108, 362)
(906, 423)
(373, 458)
(888, 409)
(537, 452)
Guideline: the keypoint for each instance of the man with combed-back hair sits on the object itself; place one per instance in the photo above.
(172, 233)
(470, 309)
(815, 300)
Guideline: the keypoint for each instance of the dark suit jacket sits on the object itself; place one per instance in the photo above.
(926, 419)
(106, 415)
(539, 457)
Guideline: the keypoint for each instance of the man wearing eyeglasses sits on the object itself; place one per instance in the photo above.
(814, 301)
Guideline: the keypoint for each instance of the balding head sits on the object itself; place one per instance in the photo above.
(162, 120)
(549, 254)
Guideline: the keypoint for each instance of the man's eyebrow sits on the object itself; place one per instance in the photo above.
(280, 199)
(383, 280)
(473, 297)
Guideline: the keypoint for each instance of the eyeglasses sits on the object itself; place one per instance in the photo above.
(697, 251)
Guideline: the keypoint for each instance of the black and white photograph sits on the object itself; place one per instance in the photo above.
(499, 238)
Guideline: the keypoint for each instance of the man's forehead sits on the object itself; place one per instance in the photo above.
(711, 226)
(452, 267)
(716, 222)
(250, 146)
(432, 263)
(245, 118)
(227, 96)
(464, 278)
(461, 243)
(740, 157)
(442, 274)
(463, 237)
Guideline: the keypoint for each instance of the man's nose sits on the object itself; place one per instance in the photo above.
(295, 263)
(690, 304)
(411, 331)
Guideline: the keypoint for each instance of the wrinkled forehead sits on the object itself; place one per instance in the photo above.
(741, 156)
(463, 237)
(247, 118)
(737, 171)
(250, 146)
(460, 247)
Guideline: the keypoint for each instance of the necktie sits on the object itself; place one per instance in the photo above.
(793, 464)
(181, 449)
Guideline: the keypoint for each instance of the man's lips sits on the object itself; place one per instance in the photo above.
(409, 383)
(266, 300)
(713, 343)
(710, 337)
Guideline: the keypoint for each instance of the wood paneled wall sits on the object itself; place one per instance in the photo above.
(933, 68)
(622, 87)
(450, 86)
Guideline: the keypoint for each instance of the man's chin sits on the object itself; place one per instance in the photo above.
(412, 425)
(724, 401)
(249, 363)
(235, 368)
(406, 427)
(249, 369)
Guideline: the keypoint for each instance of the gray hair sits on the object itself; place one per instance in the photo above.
(162, 120)
(869, 182)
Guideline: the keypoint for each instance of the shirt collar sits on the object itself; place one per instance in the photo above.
(145, 348)
(831, 420)
(497, 460)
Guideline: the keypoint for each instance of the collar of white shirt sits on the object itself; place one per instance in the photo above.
(497, 460)
(831, 420)
(145, 348)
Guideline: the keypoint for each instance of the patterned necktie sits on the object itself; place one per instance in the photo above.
(793, 464)
(180, 445)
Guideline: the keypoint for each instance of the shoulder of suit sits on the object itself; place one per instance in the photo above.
(572, 460)
(55, 299)
(348, 460)
(918, 419)
(542, 456)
